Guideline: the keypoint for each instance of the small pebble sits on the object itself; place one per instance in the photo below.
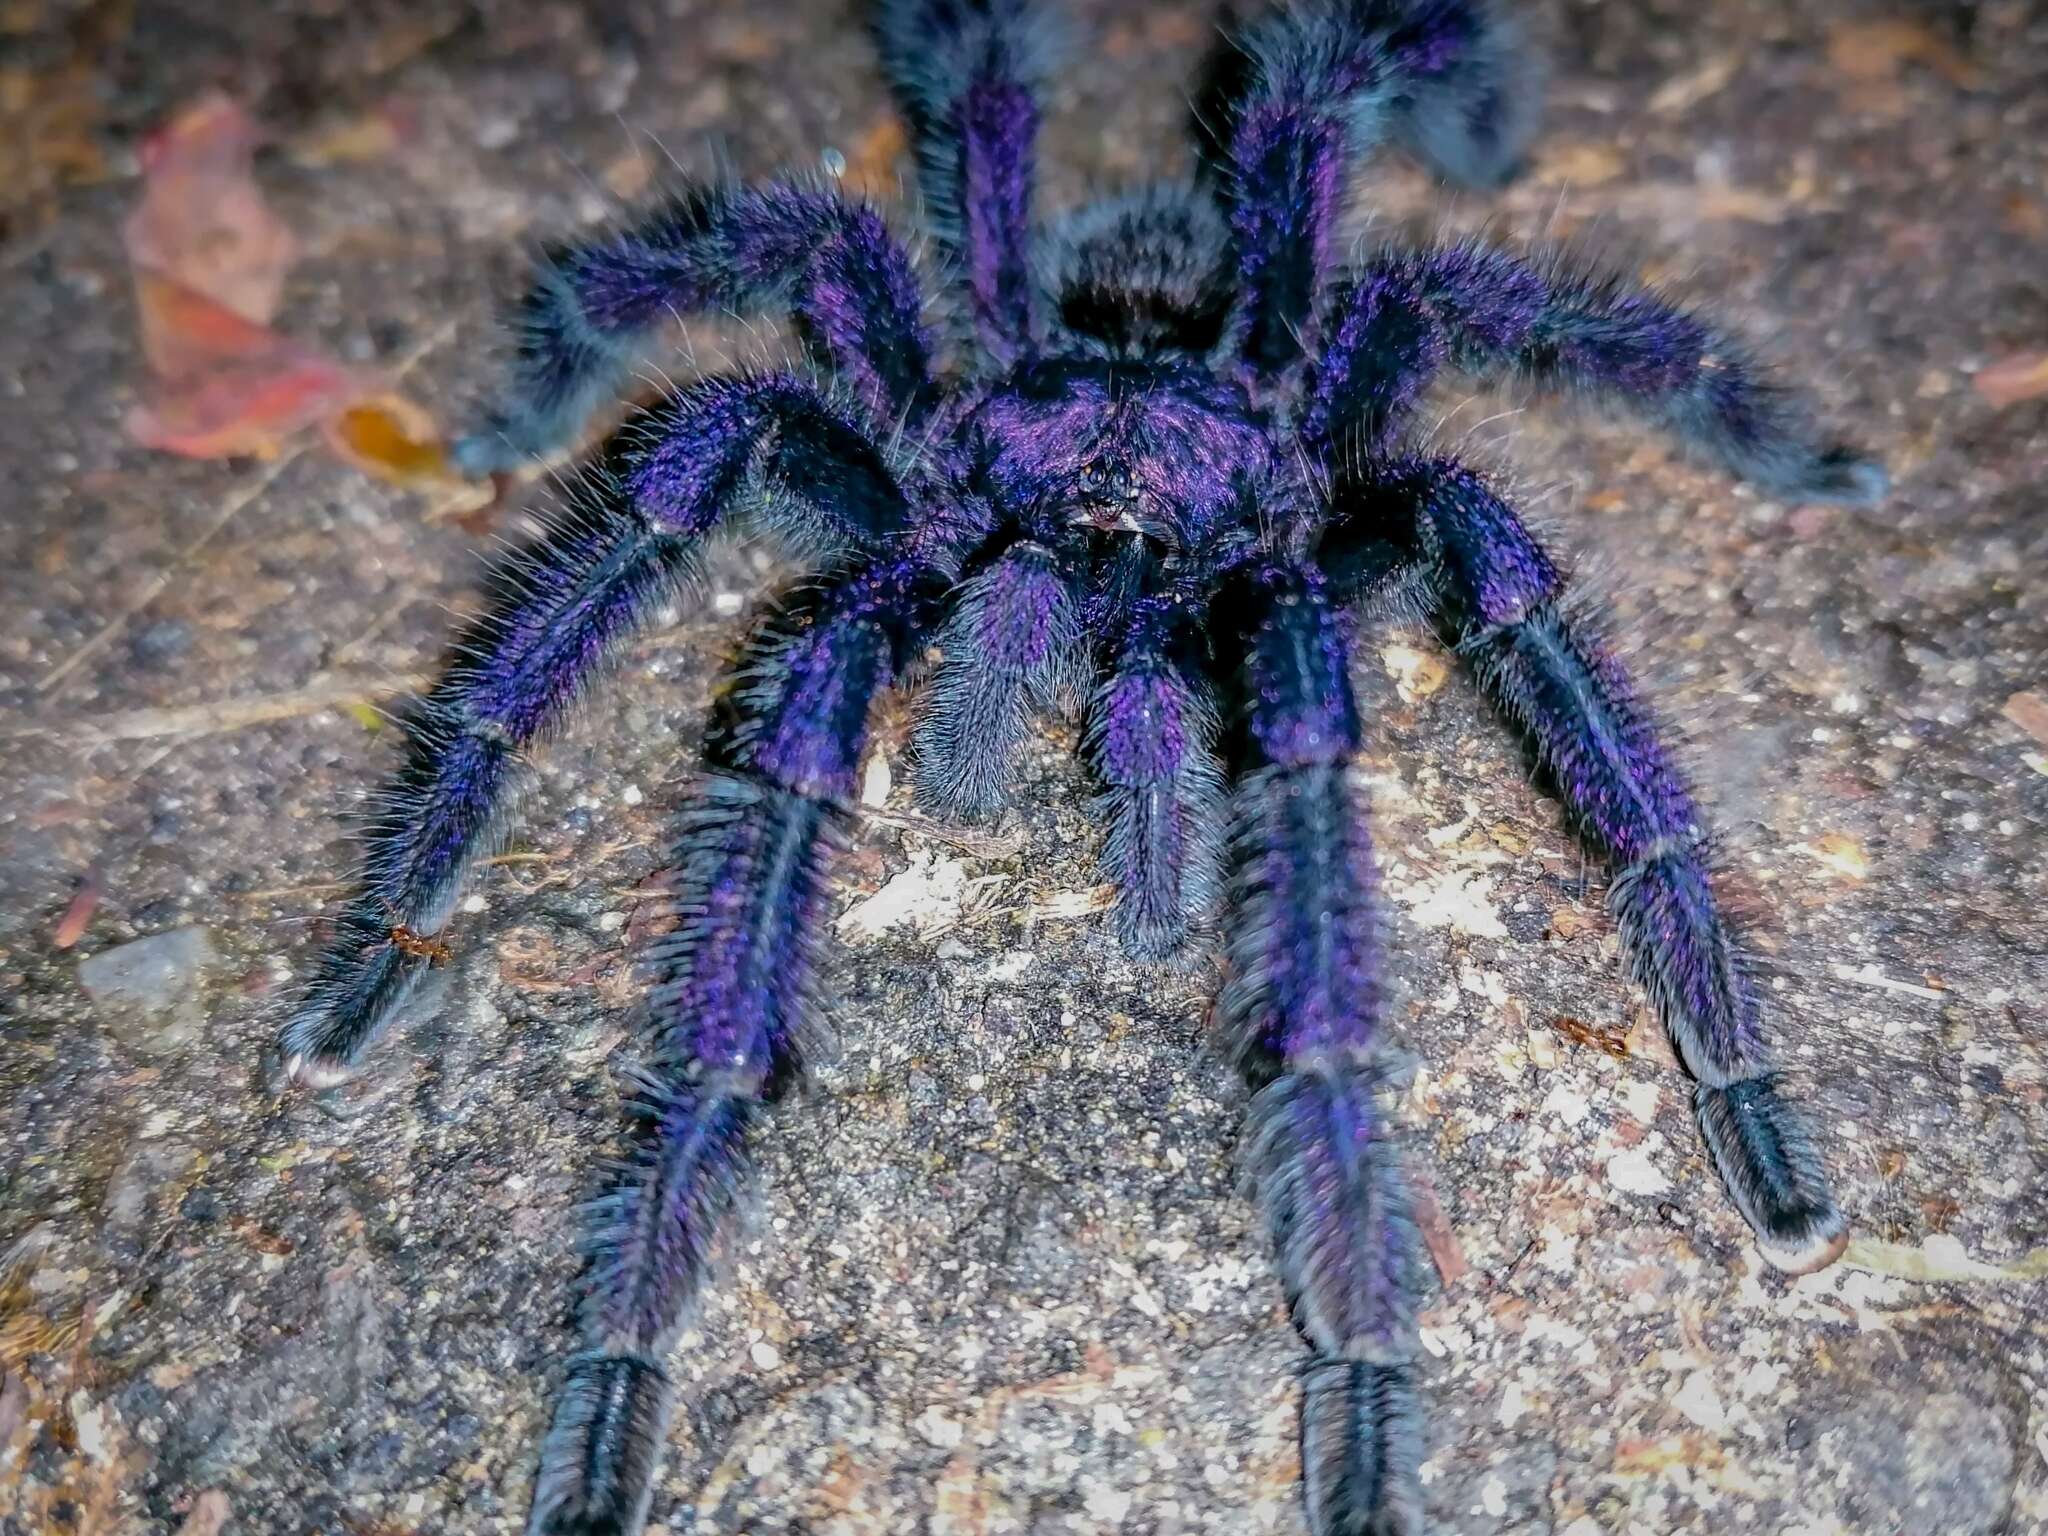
(149, 976)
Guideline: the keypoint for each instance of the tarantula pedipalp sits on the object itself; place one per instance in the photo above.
(1167, 471)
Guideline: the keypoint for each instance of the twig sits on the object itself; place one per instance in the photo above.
(1871, 976)
(225, 714)
(981, 845)
(154, 587)
(230, 509)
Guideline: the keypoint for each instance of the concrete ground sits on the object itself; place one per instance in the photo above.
(1000, 1277)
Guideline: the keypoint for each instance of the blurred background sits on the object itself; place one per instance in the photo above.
(251, 259)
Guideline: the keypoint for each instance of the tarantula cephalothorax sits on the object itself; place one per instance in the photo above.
(1166, 465)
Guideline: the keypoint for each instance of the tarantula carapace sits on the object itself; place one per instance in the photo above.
(1162, 472)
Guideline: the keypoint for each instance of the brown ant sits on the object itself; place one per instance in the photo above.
(419, 945)
(1579, 1032)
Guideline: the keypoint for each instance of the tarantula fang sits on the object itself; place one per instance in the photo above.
(1157, 466)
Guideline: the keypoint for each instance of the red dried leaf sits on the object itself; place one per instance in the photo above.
(210, 261)
(238, 387)
(2029, 711)
(1438, 1236)
(2023, 376)
(203, 222)
(71, 927)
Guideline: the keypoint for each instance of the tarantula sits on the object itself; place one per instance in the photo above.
(1164, 473)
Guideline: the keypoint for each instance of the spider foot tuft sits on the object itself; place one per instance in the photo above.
(1774, 1176)
(1843, 477)
(1361, 1449)
(597, 1465)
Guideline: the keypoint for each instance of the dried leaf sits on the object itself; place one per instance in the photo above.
(371, 135)
(210, 261)
(1065, 906)
(2023, 376)
(1689, 90)
(203, 223)
(871, 168)
(236, 388)
(1842, 854)
(391, 438)
(71, 928)
(1570, 922)
(1581, 165)
(1941, 1257)
(185, 332)
(1880, 50)
(1438, 1235)
(2029, 711)
(1416, 673)
(208, 1515)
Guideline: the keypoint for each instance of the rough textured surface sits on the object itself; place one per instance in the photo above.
(1002, 1280)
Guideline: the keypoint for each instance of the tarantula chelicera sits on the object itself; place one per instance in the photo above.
(1164, 473)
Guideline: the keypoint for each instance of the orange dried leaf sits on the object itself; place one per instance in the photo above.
(871, 168)
(390, 438)
(2029, 711)
(1438, 1236)
(1880, 50)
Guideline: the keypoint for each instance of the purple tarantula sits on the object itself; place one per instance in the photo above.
(1164, 472)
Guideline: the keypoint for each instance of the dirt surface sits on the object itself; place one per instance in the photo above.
(1000, 1277)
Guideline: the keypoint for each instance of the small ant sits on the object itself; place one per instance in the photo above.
(1613, 1042)
(419, 945)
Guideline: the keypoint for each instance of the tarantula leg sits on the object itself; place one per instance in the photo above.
(1301, 1013)
(968, 75)
(1009, 647)
(729, 1013)
(1309, 90)
(1499, 593)
(1408, 313)
(593, 310)
(556, 609)
(1152, 738)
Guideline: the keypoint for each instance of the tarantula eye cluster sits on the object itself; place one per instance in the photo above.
(1107, 480)
(1190, 362)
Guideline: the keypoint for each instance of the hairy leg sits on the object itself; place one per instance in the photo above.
(1408, 314)
(1010, 646)
(728, 1008)
(968, 74)
(1301, 1012)
(594, 309)
(556, 611)
(1500, 593)
(1303, 92)
(1152, 737)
